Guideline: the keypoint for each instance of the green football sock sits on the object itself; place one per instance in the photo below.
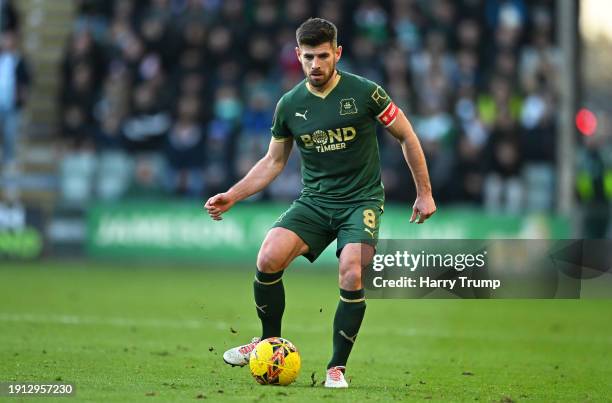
(347, 321)
(270, 302)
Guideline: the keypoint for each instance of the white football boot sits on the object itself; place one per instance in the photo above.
(239, 356)
(335, 378)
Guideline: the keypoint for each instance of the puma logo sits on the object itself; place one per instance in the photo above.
(302, 115)
(351, 339)
(261, 308)
(370, 232)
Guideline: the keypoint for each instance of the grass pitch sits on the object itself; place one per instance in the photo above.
(125, 333)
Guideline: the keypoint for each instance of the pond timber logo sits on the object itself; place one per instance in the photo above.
(329, 140)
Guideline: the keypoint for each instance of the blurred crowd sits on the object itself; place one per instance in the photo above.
(164, 97)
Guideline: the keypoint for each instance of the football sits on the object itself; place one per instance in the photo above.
(275, 361)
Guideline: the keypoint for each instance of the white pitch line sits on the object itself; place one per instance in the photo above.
(131, 322)
(76, 320)
(103, 321)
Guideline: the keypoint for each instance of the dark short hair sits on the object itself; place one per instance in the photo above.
(316, 31)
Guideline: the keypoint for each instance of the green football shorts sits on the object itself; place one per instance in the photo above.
(318, 226)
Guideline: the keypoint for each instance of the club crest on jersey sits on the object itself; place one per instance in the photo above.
(348, 106)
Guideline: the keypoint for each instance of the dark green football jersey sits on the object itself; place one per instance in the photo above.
(336, 136)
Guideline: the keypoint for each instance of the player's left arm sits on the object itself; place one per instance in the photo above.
(402, 130)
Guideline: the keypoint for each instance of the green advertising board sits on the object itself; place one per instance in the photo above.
(181, 230)
(21, 232)
(23, 244)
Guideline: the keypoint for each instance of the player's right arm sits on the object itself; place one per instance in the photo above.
(396, 123)
(260, 176)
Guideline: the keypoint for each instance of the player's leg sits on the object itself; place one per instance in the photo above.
(350, 311)
(278, 250)
(357, 237)
(301, 230)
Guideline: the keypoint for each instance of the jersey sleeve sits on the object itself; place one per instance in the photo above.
(381, 106)
(280, 130)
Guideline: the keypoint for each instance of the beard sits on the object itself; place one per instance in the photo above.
(321, 81)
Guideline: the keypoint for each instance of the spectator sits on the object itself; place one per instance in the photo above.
(82, 49)
(114, 98)
(146, 128)
(498, 100)
(285, 45)
(76, 126)
(266, 16)
(470, 148)
(468, 33)
(194, 35)
(148, 178)
(371, 21)
(81, 90)
(407, 25)
(433, 68)
(220, 45)
(503, 189)
(511, 13)
(397, 72)
(539, 62)
(443, 19)
(185, 151)
(288, 185)
(364, 60)
(261, 50)
(196, 10)
(9, 19)
(125, 11)
(93, 16)
(108, 136)
(594, 181)
(538, 123)
(254, 137)
(222, 132)
(160, 9)
(296, 11)
(157, 40)
(14, 86)
(435, 128)
(466, 73)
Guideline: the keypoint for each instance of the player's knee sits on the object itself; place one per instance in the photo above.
(269, 262)
(350, 276)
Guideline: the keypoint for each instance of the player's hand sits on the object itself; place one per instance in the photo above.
(219, 204)
(423, 208)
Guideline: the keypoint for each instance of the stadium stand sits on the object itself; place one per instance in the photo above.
(175, 97)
